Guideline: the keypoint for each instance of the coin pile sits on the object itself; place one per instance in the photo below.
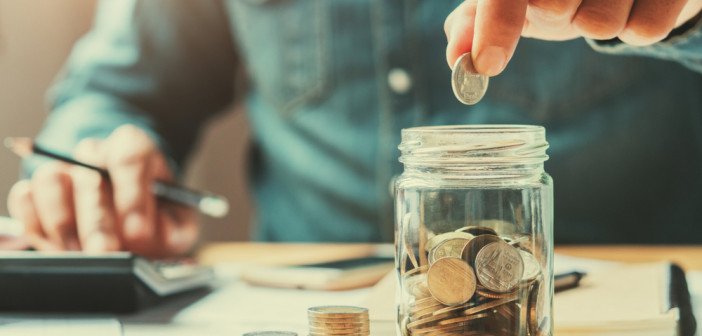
(338, 320)
(474, 282)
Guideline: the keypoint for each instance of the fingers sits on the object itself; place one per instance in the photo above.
(94, 210)
(459, 28)
(53, 199)
(692, 8)
(602, 19)
(650, 21)
(130, 163)
(20, 203)
(178, 230)
(498, 25)
(551, 15)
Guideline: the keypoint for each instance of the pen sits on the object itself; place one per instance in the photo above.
(207, 203)
(568, 280)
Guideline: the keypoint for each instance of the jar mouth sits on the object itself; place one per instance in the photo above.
(476, 129)
(473, 145)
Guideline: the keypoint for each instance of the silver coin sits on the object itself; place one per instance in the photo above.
(468, 85)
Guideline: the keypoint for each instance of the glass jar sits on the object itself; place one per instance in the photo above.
(474, 232)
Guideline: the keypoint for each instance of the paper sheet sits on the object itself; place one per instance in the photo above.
(69, 325)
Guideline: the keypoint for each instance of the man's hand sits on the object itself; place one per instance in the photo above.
(67, 207)
(490, 29)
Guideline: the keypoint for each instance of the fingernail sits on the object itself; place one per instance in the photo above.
(491, 61)
(136, 227)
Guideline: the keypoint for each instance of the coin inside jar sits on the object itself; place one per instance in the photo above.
(470, 251)
(451, 281)
(499, 267)
(447, 248)
(438, 239)
(477, 230)
(468, 85)
(532, 268)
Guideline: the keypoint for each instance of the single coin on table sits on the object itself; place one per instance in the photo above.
(468, 85)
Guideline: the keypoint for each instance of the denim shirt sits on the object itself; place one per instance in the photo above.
(332, 83)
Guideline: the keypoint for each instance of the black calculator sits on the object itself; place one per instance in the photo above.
(117, 282)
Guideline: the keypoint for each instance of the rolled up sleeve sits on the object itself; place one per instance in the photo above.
(684, 46)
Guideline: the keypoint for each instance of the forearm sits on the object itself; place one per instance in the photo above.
(684, 46)
(164, 66)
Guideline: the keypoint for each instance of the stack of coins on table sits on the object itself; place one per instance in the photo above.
(473, 282)
(338, 320)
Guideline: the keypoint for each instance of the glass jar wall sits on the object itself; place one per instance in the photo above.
(474, 219)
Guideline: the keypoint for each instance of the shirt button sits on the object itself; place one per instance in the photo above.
(399, 81)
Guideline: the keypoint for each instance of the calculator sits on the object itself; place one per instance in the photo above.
(117, 282)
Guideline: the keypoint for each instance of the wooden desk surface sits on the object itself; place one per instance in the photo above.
(689, 257)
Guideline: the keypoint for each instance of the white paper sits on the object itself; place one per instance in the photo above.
(68, 325)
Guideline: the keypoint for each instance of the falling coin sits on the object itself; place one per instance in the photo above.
(468, 85)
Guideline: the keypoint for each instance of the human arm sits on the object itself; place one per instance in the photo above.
(491, 29)
(162, 66)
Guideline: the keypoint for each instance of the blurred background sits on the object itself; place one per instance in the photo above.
(35, 39)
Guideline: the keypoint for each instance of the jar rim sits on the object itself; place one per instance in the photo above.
(509, 128)
(475, 149)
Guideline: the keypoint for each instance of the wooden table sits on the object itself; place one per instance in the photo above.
(689, 257)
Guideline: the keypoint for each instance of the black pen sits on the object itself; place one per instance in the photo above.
(207, 203)
(568, 280)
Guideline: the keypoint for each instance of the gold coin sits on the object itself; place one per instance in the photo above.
(324, 319)
(337, 311)
(488, 305)
(491, 295)
(420, 269)
(450, 309)
(476, 230)
(439, 327)
(461, 319)
(339, 331)
(423, 321)
(312, 333)
(452, 247)
(426, 302)
(451, 281)
(534, 307)
(499, 267)
(337, 325)
(438, 239)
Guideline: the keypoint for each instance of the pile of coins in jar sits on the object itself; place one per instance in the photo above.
(472, 282)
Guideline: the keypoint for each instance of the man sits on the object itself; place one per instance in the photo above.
(332, 84)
